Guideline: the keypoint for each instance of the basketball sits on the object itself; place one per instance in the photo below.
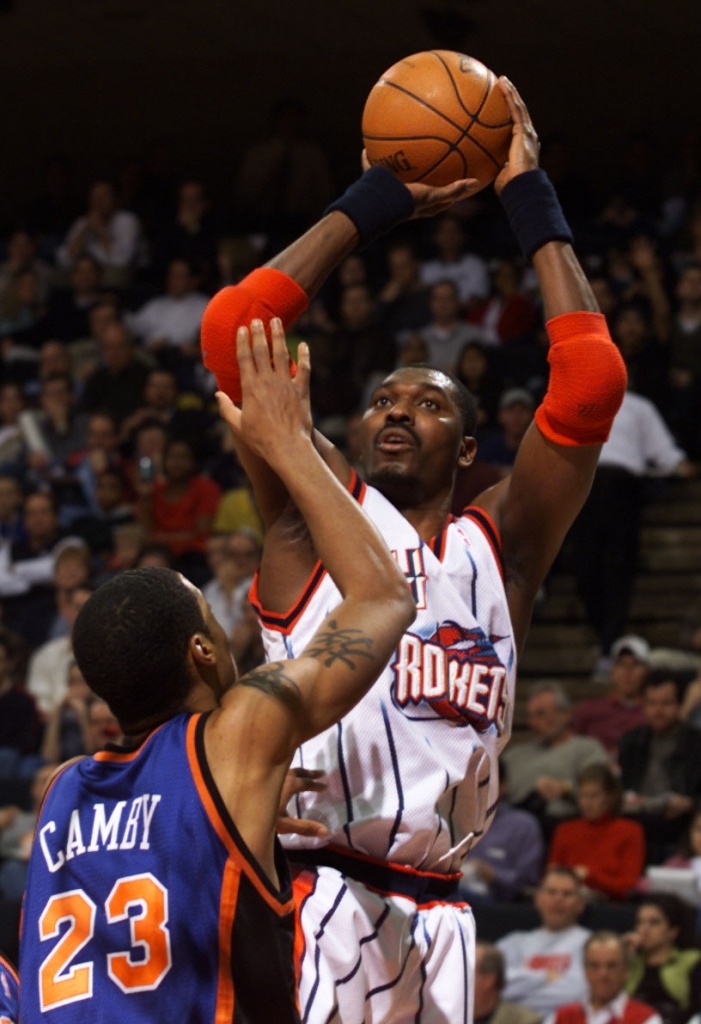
(436, 117)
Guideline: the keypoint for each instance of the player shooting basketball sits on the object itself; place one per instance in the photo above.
(411, 771)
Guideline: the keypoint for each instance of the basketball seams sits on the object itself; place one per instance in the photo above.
(451, 110)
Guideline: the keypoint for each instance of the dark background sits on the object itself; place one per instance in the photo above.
(103, 80)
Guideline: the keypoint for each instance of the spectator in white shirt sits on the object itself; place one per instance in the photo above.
(168, 326)
(172, 320)
(453, 262)
(605, 534)
(544, 966)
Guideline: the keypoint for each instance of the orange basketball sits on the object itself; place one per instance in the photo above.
(438, 116)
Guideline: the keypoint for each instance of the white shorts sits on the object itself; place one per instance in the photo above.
(365, 957)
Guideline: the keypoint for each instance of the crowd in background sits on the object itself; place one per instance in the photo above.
(112, 456)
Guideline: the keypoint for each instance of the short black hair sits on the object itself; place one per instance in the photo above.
(463, 397)
(130, 641)
(659, 676)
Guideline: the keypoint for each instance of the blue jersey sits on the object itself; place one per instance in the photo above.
(143, 902)
(9, 993)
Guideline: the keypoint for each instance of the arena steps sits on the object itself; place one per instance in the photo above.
(561, 645)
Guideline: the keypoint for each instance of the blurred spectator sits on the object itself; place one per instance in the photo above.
(27, 568)
(237, 510)
(453, 262)
(72, 570)
(413, 350)
(103, 728)
(233, 559)
(160, 404)
(507, 863)
(544, 966)
(686, 858)
(606, 968)
(11, 437)
(685, 360)
(54, 432)
(11, 501)
(49, 665)
(606, 718)
(117, 385)
(113, 237)
(191, 234)
(605, 850)
(113, 509)
(515, 415)
(84, 467)
(660, 764)
(446, 333)
(605, 535)
(17, 836)
(508, 315)
(21, 255)
(69, 309)
(168, 326)
(246, 641)
(20, 726)
(22, 326)
(643, 354)
(179, 510)
(666, 968)
(67, 728)
(543, 770)
(489, 979)
(404, 298)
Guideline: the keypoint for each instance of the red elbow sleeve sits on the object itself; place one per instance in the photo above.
(587, 381)
(263, 294)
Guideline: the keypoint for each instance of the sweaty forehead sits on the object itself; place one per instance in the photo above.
(420, 377)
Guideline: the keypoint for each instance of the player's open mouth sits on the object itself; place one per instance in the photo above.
(395, 440)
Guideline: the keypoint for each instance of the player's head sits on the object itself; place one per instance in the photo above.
(416, 432)
(144, 640)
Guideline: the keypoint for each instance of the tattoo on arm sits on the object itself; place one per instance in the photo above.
(271, 679)
(344, 645)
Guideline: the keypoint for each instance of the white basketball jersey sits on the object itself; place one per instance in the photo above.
(411, 771)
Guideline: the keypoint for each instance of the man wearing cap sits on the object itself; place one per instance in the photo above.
(660, 764)
(607, 717)
(516, 407)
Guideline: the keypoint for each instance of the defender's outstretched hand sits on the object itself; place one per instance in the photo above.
(275, 406)
(525, 147)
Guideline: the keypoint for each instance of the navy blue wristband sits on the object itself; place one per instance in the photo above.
(534, 211)
(375, 203)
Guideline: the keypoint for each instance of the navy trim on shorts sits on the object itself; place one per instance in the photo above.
(421, 887)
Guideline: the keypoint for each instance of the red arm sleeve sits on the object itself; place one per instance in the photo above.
(587, 381)
(265, 293)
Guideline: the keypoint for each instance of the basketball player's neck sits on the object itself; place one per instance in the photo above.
(427, 520)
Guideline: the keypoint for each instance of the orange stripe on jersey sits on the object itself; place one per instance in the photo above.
(222, 828)
(9, 968)
(284, 622)
(226, 997)
(302, 886)
(123, 757)
(490, 531)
